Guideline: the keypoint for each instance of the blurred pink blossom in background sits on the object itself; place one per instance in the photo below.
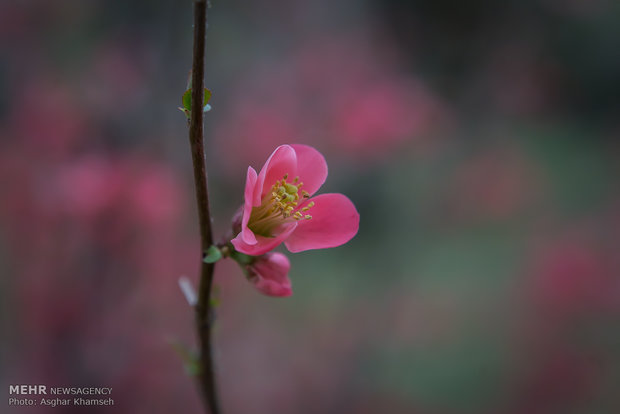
(340, 93)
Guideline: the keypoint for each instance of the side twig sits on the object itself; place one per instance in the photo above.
(206, 378)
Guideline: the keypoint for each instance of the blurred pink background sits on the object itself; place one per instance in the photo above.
(478, 140)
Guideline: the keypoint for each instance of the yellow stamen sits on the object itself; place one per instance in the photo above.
(281, 205)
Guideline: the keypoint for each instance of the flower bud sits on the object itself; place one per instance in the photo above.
(269, 274)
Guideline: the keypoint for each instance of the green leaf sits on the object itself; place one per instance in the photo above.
(187, 100)
(212, 255)
(207, 97)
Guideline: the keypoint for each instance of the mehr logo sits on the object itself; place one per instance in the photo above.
(27, 389)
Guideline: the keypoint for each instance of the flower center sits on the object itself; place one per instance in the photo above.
(280, 205)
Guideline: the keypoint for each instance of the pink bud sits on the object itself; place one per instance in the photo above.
(269, 274)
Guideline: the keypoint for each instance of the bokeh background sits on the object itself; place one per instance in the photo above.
(478, 140)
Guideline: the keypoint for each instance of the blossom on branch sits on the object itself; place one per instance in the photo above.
(279, 207)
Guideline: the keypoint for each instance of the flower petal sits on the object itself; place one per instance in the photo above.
(311, 167)
(334, 222)
(263, 244)
(269, 274)
(282, 161)
(250, 183)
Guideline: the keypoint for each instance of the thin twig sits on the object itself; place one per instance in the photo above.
(196, 138)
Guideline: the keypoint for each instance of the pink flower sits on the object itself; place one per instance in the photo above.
(278, 207)
(269, 274)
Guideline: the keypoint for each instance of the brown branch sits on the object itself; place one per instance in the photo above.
(204, 317)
